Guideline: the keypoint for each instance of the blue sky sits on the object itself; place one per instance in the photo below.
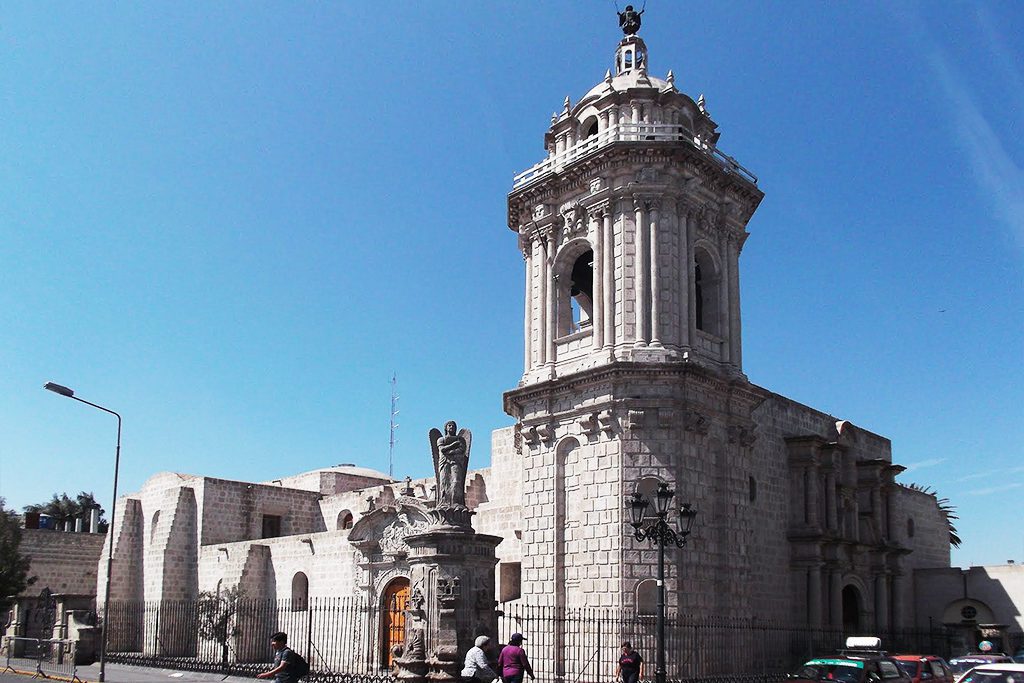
(232, 222)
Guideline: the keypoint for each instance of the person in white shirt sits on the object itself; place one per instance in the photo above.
(477, 667)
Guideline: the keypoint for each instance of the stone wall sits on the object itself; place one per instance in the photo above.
(234, 510)
(499, 511)
(919, 524)
(62, 562)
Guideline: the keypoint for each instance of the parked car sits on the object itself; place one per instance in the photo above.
(994, 673)
(925, 668)
(964, 663)
(861, 662)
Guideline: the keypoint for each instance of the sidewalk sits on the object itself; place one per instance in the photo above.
(119, 673)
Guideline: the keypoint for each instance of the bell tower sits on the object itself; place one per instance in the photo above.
(631, 229)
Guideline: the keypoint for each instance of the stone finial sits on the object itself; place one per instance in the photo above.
(608, 76)
(671, 78)
(702, 105)
(554, 117)
(566, 104)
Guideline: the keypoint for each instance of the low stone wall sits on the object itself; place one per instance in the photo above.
(63, 562)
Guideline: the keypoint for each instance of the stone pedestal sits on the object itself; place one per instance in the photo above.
(452, 601)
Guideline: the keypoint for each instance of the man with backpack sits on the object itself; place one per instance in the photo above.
(289, 666)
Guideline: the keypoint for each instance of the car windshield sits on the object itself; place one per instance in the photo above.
(843, 672)
(909, 667)
(983, 676)
(962, 664)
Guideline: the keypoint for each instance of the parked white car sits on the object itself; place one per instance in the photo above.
(994, 673)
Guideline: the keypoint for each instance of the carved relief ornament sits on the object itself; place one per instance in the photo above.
(695, 422)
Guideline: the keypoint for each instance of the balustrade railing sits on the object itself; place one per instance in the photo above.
(629, 132)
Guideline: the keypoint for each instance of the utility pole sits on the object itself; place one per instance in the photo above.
(394, 425)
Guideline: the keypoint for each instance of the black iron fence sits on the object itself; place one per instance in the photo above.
(343, 639)
(583, 644)
(347, 639)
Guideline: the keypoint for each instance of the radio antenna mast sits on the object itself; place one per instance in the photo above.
(394, 426)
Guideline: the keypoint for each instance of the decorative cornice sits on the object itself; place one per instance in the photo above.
(738, 389)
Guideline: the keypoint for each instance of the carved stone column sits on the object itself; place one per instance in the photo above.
(835, 597)
(608, 274)
(814, 602)
(549, 299)
(597, 339)
(691, 292)
(641, 262)
(724, 294)
(831, 506)
(735, 345)
(898, 586)
(881, 601)
(528, 321)
(655, 281)
(542, 299)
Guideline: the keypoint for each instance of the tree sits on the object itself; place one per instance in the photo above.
(63, 508)
(217, 617)
(14, 566)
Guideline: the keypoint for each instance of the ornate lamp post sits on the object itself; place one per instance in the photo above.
(659, 532)
(64, 391)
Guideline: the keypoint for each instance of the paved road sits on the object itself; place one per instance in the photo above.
(119, 673)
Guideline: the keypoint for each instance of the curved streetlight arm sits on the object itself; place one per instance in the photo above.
(64, 391)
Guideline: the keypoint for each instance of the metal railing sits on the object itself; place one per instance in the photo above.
(46, 657)
(630, 132)
(583, 644)
(347, 639)
(343, 639)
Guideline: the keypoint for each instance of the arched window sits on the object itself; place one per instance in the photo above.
(753, 489)
(647, 597)
(153, 525)
(300, 592)
(706, 293)
(345, 519)
(910, 527)
(588, 128)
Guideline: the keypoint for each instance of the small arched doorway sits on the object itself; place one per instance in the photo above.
(851, 610)
(393, 604)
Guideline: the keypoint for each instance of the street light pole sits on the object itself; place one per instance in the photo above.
(660, 533)
(64, 391)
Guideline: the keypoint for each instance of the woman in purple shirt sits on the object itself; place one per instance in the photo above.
(512, 662)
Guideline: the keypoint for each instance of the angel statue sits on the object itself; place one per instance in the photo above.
(451, 460)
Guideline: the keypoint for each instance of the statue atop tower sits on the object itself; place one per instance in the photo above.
(629, 21)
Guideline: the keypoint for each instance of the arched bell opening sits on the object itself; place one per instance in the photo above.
(574, 289)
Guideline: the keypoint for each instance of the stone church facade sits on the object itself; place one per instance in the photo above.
(631, 231)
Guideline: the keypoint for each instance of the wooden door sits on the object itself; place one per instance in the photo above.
(396, 596)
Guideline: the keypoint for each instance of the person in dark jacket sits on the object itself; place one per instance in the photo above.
(631, 665)
(512, 662)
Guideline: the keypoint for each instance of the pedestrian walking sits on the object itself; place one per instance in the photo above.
(512, 662)
(476, 667)
(289, 666)
(630, 668)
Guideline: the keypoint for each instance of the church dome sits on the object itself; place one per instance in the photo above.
(629, 105)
